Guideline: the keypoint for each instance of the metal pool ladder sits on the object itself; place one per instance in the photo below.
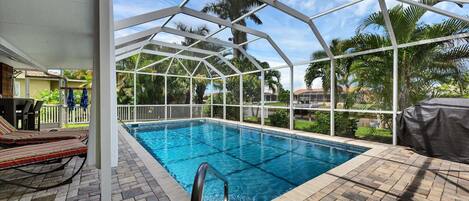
(124, 124)
(199, 181)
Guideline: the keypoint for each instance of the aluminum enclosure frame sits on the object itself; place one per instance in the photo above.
(135, 43)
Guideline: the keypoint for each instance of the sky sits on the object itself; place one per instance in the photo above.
(293, 37)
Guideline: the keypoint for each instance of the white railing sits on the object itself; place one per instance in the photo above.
(157, 112)
(50, 114)
(78, 115)
(53, 114)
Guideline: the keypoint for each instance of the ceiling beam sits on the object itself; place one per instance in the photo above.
(140, 19)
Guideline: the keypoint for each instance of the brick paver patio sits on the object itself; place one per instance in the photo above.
(131, 181)
(401, 174)
(395, 174)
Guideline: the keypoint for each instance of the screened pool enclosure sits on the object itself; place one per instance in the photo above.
(227, 83)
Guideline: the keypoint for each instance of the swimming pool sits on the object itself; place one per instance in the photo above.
(259, 165)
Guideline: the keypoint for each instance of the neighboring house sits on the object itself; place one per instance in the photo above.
(313, 97)
(270, 95)
(39, 81)
(310, 96)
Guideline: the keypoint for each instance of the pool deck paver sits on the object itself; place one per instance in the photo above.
(132, 181)
(400, 174)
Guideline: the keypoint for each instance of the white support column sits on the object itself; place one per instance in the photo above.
(332, 102)
(224, 97)
(165, 97)
(262, 96)
(241, 98)
(108, 98)
(135, 96)
(292, 111)
(61, 108)
(211, 99)
(27, 93)
(395, 80)
(190, 99)
(395, 94)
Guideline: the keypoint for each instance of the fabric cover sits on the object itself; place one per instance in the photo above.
(437, 127)
(31, 154)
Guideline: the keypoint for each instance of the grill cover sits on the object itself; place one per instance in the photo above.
(437, 127)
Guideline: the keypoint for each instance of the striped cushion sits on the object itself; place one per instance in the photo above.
(5, 126)
(23, 138)
(31, 154)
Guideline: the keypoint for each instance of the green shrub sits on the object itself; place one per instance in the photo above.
(344, 125)
(280, 118)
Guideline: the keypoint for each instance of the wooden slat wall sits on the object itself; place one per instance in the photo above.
(6, 84)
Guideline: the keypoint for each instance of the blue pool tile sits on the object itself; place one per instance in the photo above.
(260, 165)
(185, 170)
(296, 168)
(228, 143)
(321, 152)
(256, 154)
(279, 142)
(166, 143)
(249, 184)
(183, 153)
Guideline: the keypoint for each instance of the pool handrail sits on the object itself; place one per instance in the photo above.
(199, 181)
(123, 124)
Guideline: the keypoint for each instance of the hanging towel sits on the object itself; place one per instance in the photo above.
(84, 99)
(70, 99)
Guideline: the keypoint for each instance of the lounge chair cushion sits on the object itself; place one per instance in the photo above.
(23, 138)
(5, 126)
(25, 155)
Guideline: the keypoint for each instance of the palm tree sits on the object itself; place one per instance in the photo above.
(420, 67)
(344, 79)
(233, 9)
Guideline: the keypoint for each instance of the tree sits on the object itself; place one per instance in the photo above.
(49, 97)
(420, 67)
(124, 83)
(344, 79)
(80, 75)
(199, 85)
(233, 9)
(284, 95)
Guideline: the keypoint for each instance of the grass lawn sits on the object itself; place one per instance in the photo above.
(377, 134)
(277, 104)
(304, 125)
(76, 125)
(364, 133)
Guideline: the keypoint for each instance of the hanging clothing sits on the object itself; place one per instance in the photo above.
(84, 99)
(70, 100)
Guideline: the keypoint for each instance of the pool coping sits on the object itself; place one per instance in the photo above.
(301, 192)
(170, 186)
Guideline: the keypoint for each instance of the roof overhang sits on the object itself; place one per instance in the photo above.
(47, 34)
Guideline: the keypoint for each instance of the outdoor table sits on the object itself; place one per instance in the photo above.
(9, 106)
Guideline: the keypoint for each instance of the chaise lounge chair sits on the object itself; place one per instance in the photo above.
(40, 154)
(10, 137)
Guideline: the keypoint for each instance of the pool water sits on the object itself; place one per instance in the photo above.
(259, 165)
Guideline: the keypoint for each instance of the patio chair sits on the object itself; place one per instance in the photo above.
(23, 116)
(33, 114)
(39, 154)
(10, 137)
